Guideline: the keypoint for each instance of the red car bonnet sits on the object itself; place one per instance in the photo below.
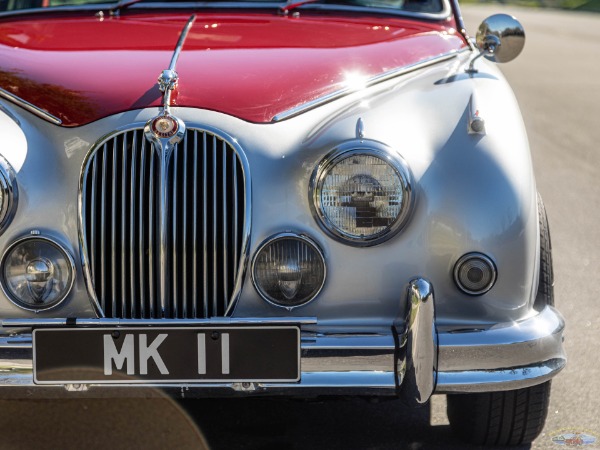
(255, 65)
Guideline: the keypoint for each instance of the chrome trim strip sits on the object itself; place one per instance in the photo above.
(28, 106)
(385, 76)
(83, 322)
(418, 349)
(94, 164)
(505, 345)
(10, 193)
(244, 248)
(499, 379)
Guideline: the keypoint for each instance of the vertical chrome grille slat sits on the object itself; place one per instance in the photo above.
(184, 274)
(174, 229)
(206, 213)
(124, 295)
(214, 228)
(132, 208)
(225, 226)
(92, 209)
(102, 293)
(235, 213)
(205, 224)
(150, 236)
(113, 230)
(142, 258)
(195, 227)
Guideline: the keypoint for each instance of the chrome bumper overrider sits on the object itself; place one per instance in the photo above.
(413, 362)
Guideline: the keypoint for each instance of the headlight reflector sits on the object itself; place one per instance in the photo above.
(362, 194)
(288, 270)
(37, 273)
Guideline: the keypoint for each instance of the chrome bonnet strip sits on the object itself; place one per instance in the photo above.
(385, 76)
(29, 107)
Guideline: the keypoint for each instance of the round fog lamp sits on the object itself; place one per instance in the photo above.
(37, 273)
(288, 270)
(362, 196)
(475, 274)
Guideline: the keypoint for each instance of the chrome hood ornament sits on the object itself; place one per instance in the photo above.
(165, 131)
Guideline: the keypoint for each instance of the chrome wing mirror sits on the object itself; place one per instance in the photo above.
(500, 38)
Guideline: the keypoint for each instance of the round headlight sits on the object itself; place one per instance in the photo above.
(288, 270)
(8, 193)
(475, 274)
(362, 193)
(37, 273)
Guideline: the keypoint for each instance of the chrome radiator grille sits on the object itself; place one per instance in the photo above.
(206, 225)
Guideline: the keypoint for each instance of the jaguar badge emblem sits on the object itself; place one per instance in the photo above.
(164, 126)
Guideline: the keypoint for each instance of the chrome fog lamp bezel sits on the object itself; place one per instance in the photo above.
(281, 236)
(369, 148)
(10, 193)
(487, 260)
(68, 258)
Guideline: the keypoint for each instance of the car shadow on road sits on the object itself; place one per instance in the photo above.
(269, 424)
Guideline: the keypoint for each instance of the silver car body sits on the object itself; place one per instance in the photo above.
(388, 316)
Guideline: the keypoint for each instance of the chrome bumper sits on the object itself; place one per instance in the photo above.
(414, 361)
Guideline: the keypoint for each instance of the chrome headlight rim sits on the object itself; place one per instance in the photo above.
(68, 258)
(280, 236)
(10, 192)
(369, 148)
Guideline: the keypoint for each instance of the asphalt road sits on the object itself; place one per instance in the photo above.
(557, 81)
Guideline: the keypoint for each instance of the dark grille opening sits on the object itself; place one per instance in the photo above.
(204, 226)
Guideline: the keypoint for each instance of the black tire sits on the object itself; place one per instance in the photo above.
(545, 293)
(510, 417)
(500, 418)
